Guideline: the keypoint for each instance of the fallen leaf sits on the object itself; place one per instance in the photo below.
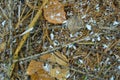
(75, 23)
(59, 58)
(57, 71)
(54, 12)
(33, 67)
(41, 75)
(45, 56)
(36, 71)
(60, 74)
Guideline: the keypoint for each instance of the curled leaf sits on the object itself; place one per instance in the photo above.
(54, 12)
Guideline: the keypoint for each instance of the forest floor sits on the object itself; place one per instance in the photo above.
(59, 39)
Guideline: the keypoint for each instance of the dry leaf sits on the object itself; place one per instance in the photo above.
(75, 23)
(54, 12)
(41, 75)
(33, 67)
(60, 74)
(2, 46)
(36, 71)
(59, 58)
(45, 56)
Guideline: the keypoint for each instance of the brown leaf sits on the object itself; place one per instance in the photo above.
(33, 67)
(36, 71)
(60, 74)
(75, 23)
(59, 58)
(54, 12)
(41, 75)
(45, 56)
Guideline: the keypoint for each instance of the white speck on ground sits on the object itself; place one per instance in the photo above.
(89, 27)
(81, 61)
(119, 67)
(84, 16)
(3, 23)
(115, 23)
(112, 78)
(52, 36)
(46, 67)
(105, 46)
(98, 38)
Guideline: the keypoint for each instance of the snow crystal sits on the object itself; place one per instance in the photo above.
(119, 67)
(105, 46)
(71, 35)
(57, 72)
(58, 14)
(97, 7)
(87, 38)
(52, 36)
(98, 38)
(3, 23)
(115, 23)
(84, 16)
(46, 67)
(93, 39)
(81, 61)
(88, 27)
(55, 43)
(112, 78)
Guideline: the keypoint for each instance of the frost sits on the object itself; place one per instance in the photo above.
(70, 13)
(74, 47)
(97, 7)
(93, 39)
(57, 72)
(52, 36)
(93, 21)
(119, 67)
(3, 23)
(87, 38)
(115, 23)
(46, 67)
(112, 78)
(52, 17)
(65, 22)
(70, 46)
(105, 46)
(84, 16)
(51, 46)
(71, 35)
(68, 74)
(98, 38)
(81, 61)
(58, 14)
(56, 43)
(88, 27)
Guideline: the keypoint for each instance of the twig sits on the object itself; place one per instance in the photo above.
(48, 51)
(25, 37)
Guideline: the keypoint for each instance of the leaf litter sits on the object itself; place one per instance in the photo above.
(60, 39)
